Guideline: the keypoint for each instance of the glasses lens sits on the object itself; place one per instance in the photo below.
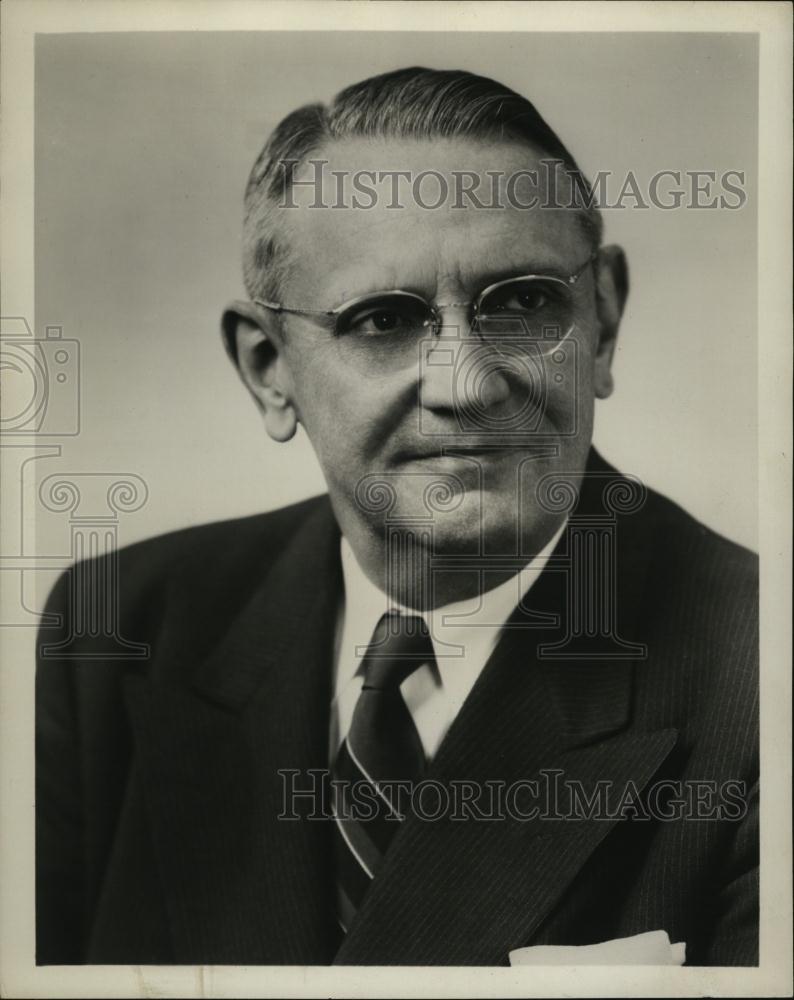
(382, 332)
(391, 316)
(539, 310)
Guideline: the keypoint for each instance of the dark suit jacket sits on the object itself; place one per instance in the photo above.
(158, 794)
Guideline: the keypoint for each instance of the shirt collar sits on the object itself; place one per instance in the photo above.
(463, 633)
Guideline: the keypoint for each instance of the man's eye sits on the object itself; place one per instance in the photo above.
(382, 319)
(523, 297)
(531, 299)
(375, 323)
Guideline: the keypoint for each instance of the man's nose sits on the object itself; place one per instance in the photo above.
(461, 372)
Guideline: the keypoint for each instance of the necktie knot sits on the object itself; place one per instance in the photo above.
(400, 645)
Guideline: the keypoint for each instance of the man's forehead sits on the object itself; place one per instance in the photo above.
(406, 212)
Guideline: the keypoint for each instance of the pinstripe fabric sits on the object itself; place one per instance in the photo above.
(382, 746)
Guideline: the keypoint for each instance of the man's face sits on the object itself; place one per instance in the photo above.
(484, 420)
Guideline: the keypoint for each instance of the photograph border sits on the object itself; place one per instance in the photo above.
(19, 977)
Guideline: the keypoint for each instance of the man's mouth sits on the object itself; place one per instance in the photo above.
(439, 453)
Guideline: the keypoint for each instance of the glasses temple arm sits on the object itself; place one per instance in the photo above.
(278, 308)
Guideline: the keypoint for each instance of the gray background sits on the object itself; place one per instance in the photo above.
(143, 145)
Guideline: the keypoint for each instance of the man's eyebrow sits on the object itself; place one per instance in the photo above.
(547, 267)
(552, 268)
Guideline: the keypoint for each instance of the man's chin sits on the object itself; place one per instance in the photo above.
(468, 522)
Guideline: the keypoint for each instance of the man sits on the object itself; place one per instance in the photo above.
(488, 694)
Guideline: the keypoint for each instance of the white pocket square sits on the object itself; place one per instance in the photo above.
(651, 948)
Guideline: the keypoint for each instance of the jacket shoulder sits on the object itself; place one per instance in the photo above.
(686, 548)
(673, 544)
(237, 542)
(701, 609)
(215, 564)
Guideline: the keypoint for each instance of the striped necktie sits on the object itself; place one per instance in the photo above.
(382, 746)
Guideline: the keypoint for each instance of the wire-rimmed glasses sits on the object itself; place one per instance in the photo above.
(537, 311)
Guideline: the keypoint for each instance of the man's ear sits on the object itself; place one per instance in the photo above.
(254, 345)
(612, 289)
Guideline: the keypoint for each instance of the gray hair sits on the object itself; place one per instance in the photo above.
(415, 103)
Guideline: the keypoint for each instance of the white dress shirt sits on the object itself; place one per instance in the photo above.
(463, 634)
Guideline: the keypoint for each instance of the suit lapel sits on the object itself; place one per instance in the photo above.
(243, 885)
(468, 891)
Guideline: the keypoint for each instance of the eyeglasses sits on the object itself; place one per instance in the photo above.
(534, 311)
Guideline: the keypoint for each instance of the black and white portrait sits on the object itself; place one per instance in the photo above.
(393, 441)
